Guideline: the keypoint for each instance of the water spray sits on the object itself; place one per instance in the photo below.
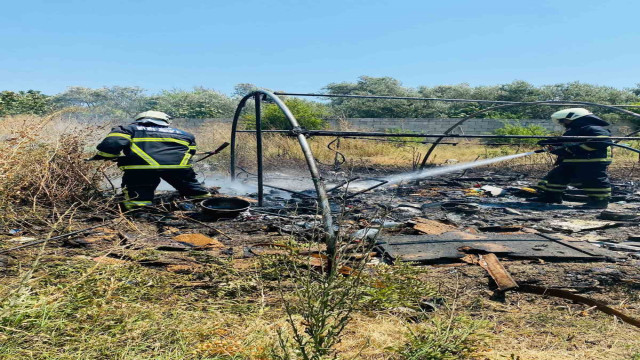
(411, 176)
(394, 179)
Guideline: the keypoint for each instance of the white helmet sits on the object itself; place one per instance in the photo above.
(153, 115)
(568, 115)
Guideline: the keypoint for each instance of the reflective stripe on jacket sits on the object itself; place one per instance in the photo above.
(147, 145)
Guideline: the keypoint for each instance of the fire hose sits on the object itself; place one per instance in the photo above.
(214, 152)
(207, 154)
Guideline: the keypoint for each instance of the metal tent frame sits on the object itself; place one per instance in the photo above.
(301, 134)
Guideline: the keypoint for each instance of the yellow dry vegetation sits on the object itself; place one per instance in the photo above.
(25, 134)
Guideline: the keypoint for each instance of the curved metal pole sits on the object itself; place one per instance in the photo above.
(626, 147)
(549, 102)
(234, 130)
(631, 134)
(323, 199)
(258, 104)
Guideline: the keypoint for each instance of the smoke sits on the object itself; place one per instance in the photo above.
(227, 186)
(231, 187)
(394, 179)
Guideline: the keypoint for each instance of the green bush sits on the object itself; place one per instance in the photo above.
(310, 115)
(636, 110)
(396, 286)
(518, 129)
(24, 102)
(445, 339)
(200, 103)
(114, 102)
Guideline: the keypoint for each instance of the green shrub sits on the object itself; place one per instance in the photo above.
(518, 129)
(445, 339)
(310, 115)
(24, 102)
(396, 286)
(200, 103)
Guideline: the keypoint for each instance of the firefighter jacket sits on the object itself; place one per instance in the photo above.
(590, 151)
(147, 145)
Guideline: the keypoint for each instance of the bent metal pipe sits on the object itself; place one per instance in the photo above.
(323, 199)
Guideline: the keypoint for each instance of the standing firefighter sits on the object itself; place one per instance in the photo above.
(152, 151)
(583, 163)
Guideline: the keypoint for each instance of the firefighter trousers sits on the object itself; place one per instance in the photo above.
(592, 178)
(139, 186)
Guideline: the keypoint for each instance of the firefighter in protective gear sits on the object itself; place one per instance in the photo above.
(583, 164)
(151, 151)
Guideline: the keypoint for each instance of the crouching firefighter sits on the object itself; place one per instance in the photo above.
(583, 164)
(152, 151)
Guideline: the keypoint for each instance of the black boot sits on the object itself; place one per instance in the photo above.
(595, 204)
(548, 198)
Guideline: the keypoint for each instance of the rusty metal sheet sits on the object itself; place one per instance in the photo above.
(450, 247)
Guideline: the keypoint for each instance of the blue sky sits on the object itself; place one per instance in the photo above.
(304, 45)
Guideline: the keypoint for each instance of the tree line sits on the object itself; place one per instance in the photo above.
(118, 102)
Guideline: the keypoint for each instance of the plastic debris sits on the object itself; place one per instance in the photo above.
(511, 211)
(386, 224)
(368, 234)
(493, 190)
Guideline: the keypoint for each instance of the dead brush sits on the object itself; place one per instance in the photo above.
(43, 171)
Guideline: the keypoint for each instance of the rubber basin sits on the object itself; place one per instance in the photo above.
(224, 207)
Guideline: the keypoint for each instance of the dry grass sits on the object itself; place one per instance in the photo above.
(79, 309)
(284, 152)
(42, 171)
(72, 308)
(280, 152)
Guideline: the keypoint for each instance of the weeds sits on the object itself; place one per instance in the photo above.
(395, 286)
(452, 338)
(318, 307)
